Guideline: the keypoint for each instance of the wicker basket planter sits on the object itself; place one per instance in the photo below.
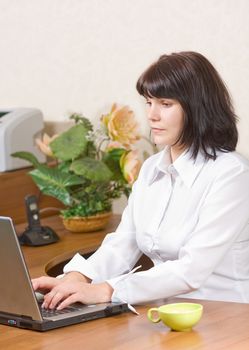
(79, 224)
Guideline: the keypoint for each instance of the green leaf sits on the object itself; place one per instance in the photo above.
(64, 167)
(27, 156)
(91, 169)
(111, 159)
(55, 183)
(116, 153)
(70, 144)
(79, 118)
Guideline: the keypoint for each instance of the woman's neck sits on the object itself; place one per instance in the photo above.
(175, 152)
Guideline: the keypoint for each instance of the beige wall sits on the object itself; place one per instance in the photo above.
(82, 55)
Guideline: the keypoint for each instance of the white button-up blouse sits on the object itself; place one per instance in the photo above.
(191, 218)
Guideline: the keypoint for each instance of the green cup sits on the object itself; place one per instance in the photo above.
(178, 316)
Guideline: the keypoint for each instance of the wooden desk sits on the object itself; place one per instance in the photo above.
(40, 259)
(223, 325)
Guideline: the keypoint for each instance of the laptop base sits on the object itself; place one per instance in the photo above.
(28, 323)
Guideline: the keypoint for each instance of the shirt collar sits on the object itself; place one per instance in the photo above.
(184, 166)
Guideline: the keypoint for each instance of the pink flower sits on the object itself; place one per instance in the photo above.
(130, 166)
(121, 125)
(44, 144)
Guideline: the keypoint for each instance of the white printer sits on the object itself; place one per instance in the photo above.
(18, 130)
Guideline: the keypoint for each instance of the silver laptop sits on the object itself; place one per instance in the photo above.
(19, 306)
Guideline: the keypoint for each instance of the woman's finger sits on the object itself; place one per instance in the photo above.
(55, 300)
(48, 298)
(73, 298)
(58, 293)
(44, 283)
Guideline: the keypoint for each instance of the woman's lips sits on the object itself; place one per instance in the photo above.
(156, 130)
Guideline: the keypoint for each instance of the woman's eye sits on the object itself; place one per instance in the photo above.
(148, 103)
(166, 104)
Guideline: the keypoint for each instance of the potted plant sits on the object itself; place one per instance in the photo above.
(87, 169)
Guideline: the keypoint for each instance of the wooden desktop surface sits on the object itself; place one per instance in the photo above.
(223, 325)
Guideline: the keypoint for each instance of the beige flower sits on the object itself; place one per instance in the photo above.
(121, 125)
(113, 145)
(130, 166)
(44, 144)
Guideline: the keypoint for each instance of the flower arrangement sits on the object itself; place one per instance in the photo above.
(89, 168)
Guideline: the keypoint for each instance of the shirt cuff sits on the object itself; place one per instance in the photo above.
(120, 293)
(79, 264)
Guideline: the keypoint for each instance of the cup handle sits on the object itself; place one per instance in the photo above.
(150, 316)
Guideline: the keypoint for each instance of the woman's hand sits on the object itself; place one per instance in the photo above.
(68, 293)
(73, 287)
(45, 283)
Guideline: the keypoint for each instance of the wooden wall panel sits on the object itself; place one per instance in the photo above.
(14, 186)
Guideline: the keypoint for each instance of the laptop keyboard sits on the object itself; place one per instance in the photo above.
(53, 312)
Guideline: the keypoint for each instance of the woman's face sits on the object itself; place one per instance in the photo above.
(166, 119)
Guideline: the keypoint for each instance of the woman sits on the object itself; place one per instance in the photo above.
(189, 209)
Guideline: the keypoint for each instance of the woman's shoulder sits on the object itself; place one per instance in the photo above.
(229, 165)
(232, 160)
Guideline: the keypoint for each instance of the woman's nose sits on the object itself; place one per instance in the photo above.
(153, 113)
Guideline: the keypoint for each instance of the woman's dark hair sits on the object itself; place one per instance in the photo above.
(209, 118)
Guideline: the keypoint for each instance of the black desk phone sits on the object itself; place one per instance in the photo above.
(35, 234)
